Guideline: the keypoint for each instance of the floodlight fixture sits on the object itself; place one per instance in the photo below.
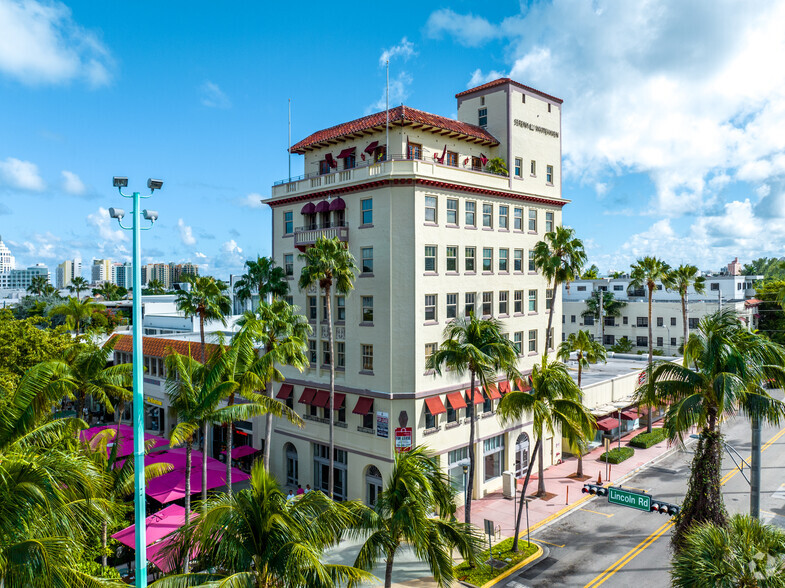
(117, 213)
(151, 215)
(155, 184)
(119, 182)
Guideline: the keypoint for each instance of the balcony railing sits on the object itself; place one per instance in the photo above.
(304, 236)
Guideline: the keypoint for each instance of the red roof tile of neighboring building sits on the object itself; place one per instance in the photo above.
(155, 347)
(400, 114)
(502, 81)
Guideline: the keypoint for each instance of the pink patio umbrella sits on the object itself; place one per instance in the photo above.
(171, 486)
(176, 457)
(241, 451)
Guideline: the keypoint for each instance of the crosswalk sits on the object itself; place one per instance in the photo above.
(779, 494)
(515, 584)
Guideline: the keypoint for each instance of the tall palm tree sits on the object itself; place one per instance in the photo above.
(259, 538)
(588, 352)
(78, 284)
(745, 553)
(263, 277)
(680, 280)
(207, 300)
(76, 311)
(559, 257)
(646, 273)
(610, 307)
(592, 273)
(110, 291)
(555, 403)
(38, 285)
(283, 334)
(729, 366)
(478, 347)
(329, 265)
(156, 287)
(402, 516)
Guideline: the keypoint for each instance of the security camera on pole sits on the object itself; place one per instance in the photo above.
(138, 397)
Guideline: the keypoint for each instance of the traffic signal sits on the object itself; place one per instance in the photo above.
(664, 508)
(594, 489)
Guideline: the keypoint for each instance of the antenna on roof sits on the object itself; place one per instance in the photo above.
(387, 115)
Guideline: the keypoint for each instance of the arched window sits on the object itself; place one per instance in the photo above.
(292, 465)
(373, 484)
(521, 455)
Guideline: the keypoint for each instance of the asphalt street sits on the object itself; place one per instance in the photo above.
(601, 544)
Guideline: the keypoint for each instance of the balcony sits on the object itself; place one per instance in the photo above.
(305, 236)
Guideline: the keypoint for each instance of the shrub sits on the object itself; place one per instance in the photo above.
(623, 345)
(646, 440)
(617, 454)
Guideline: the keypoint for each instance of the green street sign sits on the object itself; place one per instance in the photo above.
(629, 498)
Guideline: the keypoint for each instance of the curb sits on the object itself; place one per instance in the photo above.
(531, 561)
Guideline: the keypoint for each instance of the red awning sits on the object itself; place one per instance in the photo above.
(323, 206)
(523, 385)
(494, 390)
(370, 149)
(330, 161)
(309, 208)
(321, 399)
(338, 401)
(435, 405)
(630, 414)
(285, 392)
(456, 400)
(478, 398)
(337, 204)
(307, 396)
(348, 152)
(504, 387)
(363, 406)
(607, 424)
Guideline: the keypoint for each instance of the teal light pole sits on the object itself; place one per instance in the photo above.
(138, 397)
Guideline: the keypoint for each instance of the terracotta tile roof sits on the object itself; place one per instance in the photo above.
(155, 347)
(401, 114)
(502, 81)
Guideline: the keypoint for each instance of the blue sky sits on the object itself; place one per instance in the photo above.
(673, 131)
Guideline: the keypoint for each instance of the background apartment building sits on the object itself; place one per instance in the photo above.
(67, 271)
(101, 271)
(436, 237)
(7, 261)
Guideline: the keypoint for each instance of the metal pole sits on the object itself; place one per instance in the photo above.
(514, 499)
(289, 145)
(528, 535)
(387, 119)
(602, 320)
(755, 470)
(138, 401)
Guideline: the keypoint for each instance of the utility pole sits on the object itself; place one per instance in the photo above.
(755, 470)
(602, 319)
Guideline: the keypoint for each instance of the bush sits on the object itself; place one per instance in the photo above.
(617, 455)
(646, 440)
(623, 345)
(484, 573)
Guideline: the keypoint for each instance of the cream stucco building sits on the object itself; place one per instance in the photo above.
(435, 235)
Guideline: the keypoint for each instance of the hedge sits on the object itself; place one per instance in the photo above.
(646, 440)
(617, 454)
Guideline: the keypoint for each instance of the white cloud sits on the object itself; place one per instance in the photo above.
(106, 227)
(72, 184)
(467, 29)
(229, 257)
(399, 92)
(479, 78)
(405, 50)
(186, 233)
(21, 174)
(200, 255)
(41, 44)
(253, 200)
(213, 96)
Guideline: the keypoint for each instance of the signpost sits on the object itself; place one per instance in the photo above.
(403, 439)
(489, 532)
(629, 498)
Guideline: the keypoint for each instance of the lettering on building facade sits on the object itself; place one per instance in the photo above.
(524, 125)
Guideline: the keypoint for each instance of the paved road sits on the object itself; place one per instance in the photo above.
(613, 546)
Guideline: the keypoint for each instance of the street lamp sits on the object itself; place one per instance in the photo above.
(138, 397)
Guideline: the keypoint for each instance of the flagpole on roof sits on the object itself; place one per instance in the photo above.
(387, 115)
(289, 146)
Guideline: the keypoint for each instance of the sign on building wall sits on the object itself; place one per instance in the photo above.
(403, 439)
(152, 400)
(382, 424)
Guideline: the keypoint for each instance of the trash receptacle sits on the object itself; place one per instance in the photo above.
(508, 484)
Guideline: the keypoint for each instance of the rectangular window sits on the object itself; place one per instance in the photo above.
(610, 321)
(504, 217)
(312, 311)
(430, 209)
(367, 356)
(487, 303)
(452, 306)
(324, 308)
(517, 219)
(312, 352)
(452, 211)
(673, 321)
(368, 418)
(469, 303)
(533, 340)
(349, 162)
(660, 321)
(487, 259)
(325, 353)
(366, 206)
(532, 300)
(532, 265)
(468, 254)
(548, 299)
(482, 117)
(288, 264)
(430, 258)
(642, 341)
(487, 215)
(714, 286)
(517, 260)
(659, 342)
(367, 309)
(517, 301)
(324, 167)
(533, 169)
(673, 341)
(549, 174)
(532, 220)
(503, 299)
(430, 419)
(452, 414)
(588, 320)
(430, 349)
(452, 258)
(693, 323)
(548, 222)
(642, 321)
(451, 158)
(340, 308)
(624, 320)
(609, 339)
(493, 457)
(414, 151)
(618, 287)
(471, 213)
(366, 255)
(288, 223)
(504, 260)
(518, 167)
(517, 342)
(430, 307)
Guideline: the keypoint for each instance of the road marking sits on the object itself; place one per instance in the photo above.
(779, 494)
(547, 543)
(736, 470)
(605, 514)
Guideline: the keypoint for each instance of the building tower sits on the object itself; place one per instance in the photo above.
(7, 261)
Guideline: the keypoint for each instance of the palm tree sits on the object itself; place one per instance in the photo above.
(402, 516)
(555, 403)
(729, 366)
(616, 275)
(592, 273)
(680, 280)
(259, 538)
(205, 299)
(646, 273)
(38, 285)
(76, 311)
(156, 287)
(745, 553)
(109, 291)
(78, 284)
(263, 277)
(610, 307)
(329, 265)
(559, 257)
(478, 347)
(283, 335)
(588, 352)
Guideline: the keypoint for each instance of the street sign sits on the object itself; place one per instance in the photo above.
(488, 527)
(403, 439)
(629, 498)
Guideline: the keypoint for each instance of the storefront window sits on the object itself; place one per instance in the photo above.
(493, 456)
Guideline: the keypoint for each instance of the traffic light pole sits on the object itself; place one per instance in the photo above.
(755, 470)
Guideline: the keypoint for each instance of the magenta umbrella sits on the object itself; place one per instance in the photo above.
(171, 486)
(176, 457)
(241, 451)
